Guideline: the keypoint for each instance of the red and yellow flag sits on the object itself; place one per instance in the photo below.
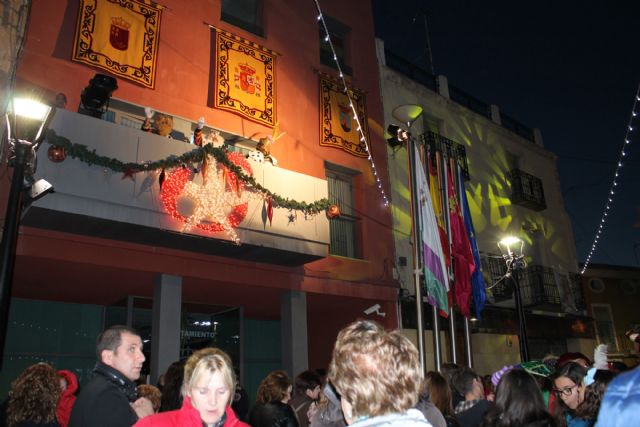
(245, 80)
(338, 127)
(120, 36)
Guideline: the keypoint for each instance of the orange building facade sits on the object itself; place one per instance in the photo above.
(92, 244)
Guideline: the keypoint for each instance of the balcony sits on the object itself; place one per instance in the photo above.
(527, 190)
(96, 201)
(542, 288)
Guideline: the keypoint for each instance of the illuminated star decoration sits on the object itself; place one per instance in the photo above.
(220, 193)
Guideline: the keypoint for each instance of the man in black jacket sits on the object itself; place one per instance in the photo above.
(110, 399)
(471, 410)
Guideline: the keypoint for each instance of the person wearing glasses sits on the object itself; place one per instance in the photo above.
(569, 388)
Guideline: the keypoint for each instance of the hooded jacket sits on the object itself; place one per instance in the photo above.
(67, 398)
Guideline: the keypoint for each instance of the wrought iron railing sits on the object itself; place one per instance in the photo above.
(540, 286)
(451, 148)
(516, 127)
(410, 70)
(472, 103)
(527, 190)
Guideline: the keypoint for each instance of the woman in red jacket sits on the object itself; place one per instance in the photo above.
(69, 386)
(208, 389)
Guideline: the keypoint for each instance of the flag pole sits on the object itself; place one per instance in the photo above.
(417, 250)
(445, 196)
(467, 326)
(435, 319)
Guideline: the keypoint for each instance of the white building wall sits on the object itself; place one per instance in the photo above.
(491, 152)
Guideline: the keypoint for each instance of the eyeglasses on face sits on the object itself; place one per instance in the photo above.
(566, 391)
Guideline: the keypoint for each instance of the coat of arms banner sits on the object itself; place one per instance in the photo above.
(120, 36)
(245, 80)
(338, 127)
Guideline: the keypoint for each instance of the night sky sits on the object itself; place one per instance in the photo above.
(569, 68)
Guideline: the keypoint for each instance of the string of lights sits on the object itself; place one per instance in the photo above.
(614, 183)
(363, 139)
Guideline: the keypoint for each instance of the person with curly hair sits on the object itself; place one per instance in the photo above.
(272, 402)
(377, 375)
(33, 398)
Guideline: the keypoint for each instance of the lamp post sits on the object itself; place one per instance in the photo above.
(511, 248)
(27, 116)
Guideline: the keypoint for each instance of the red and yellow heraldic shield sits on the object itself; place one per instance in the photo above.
(245, 78)
(120, 36)
(338, 127)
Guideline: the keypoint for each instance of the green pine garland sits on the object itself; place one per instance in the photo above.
(82, 153)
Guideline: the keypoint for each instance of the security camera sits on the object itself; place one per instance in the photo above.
(375, 309)
(39, 189)
(372, 309)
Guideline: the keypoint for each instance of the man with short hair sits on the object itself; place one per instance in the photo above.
(307, 391)
(110, 399)
(471, 410)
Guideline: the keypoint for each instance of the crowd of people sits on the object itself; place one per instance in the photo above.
(374, 379)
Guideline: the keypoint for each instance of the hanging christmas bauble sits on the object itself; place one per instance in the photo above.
(333, 211)
(56, 153)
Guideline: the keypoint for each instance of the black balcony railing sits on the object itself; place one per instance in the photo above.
(410, 70)
(540, 286)
(474, 104)
(438, 143)
(516, 127)
(575, 285)
(527, 190)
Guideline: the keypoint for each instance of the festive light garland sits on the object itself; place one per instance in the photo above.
(614, 183)
(82, 153)
(360, 130)
(219, 191)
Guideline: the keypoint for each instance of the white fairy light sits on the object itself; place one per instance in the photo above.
(614, 183)
(320, 18)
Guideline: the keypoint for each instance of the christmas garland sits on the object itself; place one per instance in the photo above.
(90, 157)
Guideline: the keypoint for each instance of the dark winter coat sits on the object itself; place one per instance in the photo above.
(105, 401)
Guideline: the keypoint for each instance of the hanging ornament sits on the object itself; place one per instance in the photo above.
(270, 209)
(161, 178)
(333, 211)
(204, 168)
(128, 173)
(56, 154)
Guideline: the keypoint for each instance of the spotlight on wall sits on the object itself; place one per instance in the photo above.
(95, 96)
(399, 136)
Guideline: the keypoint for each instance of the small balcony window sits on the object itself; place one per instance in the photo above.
(527, 190)
(339, 37)
(343, 229)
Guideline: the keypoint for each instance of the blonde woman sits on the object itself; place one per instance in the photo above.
(208, 390)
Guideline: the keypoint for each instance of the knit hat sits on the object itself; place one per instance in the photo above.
(495, 378)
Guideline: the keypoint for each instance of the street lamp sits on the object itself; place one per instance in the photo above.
(512, 252)
(28, 119)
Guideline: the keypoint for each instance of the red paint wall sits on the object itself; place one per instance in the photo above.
(182, 84)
